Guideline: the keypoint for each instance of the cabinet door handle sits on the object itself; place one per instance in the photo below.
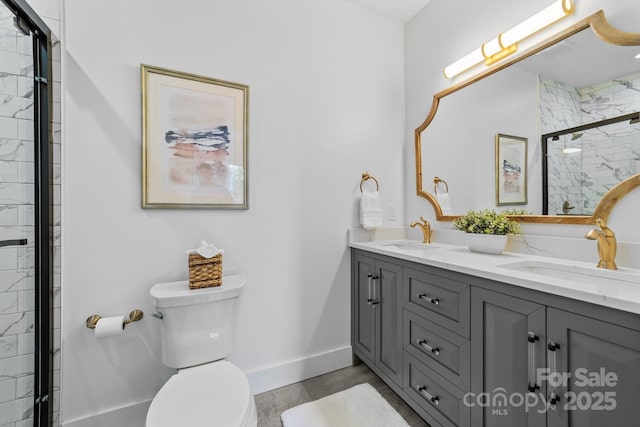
(425, 297)
(424, 344)
(532, 386)
(374, 301)
(369, 299)
(552, 346)
(423, 391)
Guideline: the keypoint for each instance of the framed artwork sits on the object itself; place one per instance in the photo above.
(194, 141)
(511, 170)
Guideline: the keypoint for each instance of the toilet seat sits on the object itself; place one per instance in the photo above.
(214, 394)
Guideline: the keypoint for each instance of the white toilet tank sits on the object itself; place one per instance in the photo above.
(197, 325)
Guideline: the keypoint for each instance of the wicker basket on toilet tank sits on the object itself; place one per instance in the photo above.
(204, 272)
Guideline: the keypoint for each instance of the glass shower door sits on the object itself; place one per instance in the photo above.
(23, 257)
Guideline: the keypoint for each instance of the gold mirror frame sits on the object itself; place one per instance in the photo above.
(603, 30)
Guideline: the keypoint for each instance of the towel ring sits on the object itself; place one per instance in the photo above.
(366, 177)
(436, 182)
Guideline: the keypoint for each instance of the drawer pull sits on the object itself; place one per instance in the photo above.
(423, 343)
(423, 391)
(425, 297)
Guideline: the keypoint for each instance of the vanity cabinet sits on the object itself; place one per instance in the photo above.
(377, 314)
(468, 351)
(583, 371)
(604, 362)
(509, 336)
(436, 343)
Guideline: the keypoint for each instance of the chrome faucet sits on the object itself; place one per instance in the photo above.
(426, 229)
(606, 245)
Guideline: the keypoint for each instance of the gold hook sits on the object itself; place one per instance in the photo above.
(366, 177)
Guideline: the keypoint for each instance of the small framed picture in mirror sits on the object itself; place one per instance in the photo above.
(511, 170)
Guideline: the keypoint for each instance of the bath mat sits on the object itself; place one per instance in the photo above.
(359, 406)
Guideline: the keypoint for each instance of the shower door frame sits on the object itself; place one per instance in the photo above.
(43, 245)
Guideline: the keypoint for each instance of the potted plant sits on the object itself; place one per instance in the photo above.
(487, 230)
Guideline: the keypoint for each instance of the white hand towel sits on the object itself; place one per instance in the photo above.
(443, 201)
(370, 211)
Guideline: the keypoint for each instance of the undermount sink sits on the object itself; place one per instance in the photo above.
(405, 246)
(409, 247)
(583, 274)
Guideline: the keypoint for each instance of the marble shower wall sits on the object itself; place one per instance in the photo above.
(582, 178)
(17, 295)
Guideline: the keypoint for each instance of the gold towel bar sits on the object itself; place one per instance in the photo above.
(437, 181)
(134, 316)
(366, 177)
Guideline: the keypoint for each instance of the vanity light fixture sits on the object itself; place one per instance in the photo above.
(571, 150)
(571, 147)
(507, 43)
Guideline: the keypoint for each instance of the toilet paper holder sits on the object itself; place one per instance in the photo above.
(134, 316)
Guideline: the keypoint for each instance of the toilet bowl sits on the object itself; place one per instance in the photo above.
(214, 394)
(196, 336)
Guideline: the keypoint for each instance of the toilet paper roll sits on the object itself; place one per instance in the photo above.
(110, 326)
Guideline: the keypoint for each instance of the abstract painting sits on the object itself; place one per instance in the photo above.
(195, 132)
(511, 170)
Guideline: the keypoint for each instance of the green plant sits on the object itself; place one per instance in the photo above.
(486, 222)
(517, 212)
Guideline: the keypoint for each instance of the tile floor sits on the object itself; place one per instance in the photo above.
(272, 403)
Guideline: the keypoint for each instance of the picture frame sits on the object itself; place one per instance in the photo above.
(194, 141)
(511, 170)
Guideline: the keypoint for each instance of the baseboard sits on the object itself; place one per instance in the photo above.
(133, 415)
(292, 371)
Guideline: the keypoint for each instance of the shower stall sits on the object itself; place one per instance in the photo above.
(25, 217)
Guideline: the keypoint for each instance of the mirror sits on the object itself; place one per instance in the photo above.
(545, 90)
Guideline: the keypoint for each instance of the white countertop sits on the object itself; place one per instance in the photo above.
(619, 289)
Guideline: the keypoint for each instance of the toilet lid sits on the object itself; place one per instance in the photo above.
(215, 394)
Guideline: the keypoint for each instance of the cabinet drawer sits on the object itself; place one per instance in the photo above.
(441, 399)
(442, 350)
(439, 298)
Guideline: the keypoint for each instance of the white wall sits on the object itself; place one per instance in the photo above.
(432, 42)
(326, 103)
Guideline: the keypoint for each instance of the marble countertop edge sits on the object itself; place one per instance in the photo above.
(624, 296)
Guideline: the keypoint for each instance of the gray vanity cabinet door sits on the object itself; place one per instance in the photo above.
(363, 323)
(503, 360)
(377, 314)
(603, 360)
(389, 319)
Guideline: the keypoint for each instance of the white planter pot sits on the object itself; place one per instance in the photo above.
(487, 243)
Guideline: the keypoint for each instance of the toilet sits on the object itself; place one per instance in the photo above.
(196, 336)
